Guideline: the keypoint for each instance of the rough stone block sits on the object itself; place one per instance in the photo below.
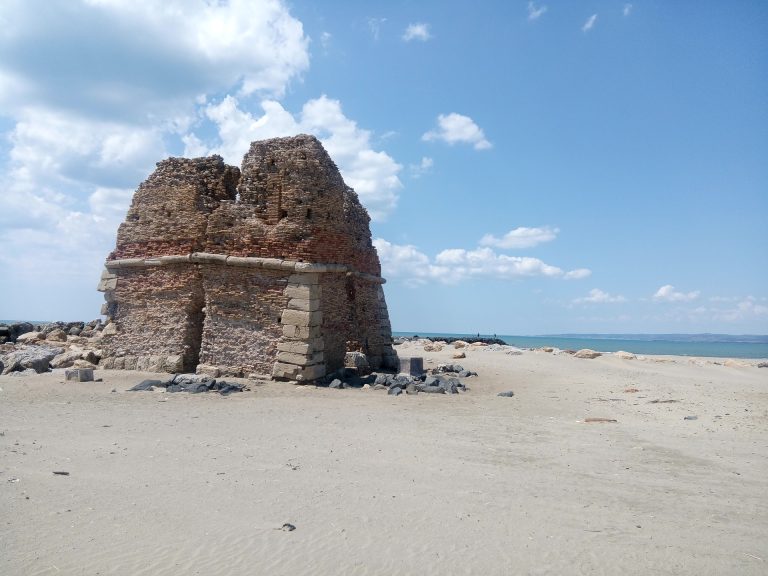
(357, 360)
(301, 332)
(208, 370)
(300, 359)
(303, 304)
(298, 373)
(413, 365)
(304, 279)
(306, 291)
(143, 363)
(301, 318)
(173, 363)
(130, 362)
(298, 347)
(105, 284)
(79, 375)
(109, 330)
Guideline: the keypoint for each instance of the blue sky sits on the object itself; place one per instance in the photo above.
(530, 167)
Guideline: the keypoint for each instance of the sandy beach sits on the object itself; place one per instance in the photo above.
(473, 483)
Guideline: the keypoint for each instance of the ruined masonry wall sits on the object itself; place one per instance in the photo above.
(268, 270)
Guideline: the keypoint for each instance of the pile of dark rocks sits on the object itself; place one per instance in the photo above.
(192, 383)
(445, 379)
(449, 339)
(59, 330)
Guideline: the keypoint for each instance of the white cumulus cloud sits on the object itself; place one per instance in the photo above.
(597, 296)
(667, 293)
(455, 265)
(521, 238)
(535, 12)
(456, 128)
(590, 23)
(419, 31)
(145, 57)
(423, 167)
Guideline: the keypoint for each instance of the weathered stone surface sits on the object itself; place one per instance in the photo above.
(587, 353)
(79, 375)
(36, 358)
(625, 355)
(412, 365)
(28, 337)
(301, 347)
(303, 291)
(358, 361)
(207, 370)
(66, 359)
(301, 359)
(222, 267)
(57, 335)
(301, 319)
(305, 305)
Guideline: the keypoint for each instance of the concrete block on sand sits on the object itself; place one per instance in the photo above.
(79, 375)
(413, 365)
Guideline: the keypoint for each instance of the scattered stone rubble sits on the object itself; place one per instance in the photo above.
(28, 348)
(191, 383)
(443, 380)
(264, 270)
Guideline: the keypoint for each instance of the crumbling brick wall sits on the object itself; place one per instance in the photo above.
(268, 270)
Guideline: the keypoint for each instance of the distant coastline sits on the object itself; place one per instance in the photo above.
(705, 345)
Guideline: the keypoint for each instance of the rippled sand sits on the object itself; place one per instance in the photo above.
(431, 484)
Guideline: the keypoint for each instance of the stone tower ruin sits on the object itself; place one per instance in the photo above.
(268, 269)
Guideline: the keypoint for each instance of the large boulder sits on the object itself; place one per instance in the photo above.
(625, 355)
(587, 353)
(37, 358)
(19, 328)
(56, 335)
(66, 359)
(28, 337)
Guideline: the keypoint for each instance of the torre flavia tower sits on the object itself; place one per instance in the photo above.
(267, 269)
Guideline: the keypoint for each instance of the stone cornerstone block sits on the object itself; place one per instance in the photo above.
(300, 359)
(306, 305)
(301, 332)
(301, 318)
(305, 291)
(298, 347)
(298, 373)
(304, 279)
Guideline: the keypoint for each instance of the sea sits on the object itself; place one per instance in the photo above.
(708, 345)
